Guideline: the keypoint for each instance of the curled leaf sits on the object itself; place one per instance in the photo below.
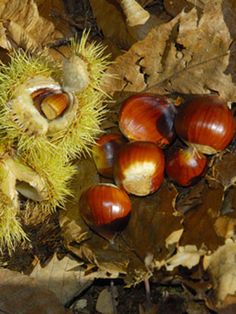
(221, 265)
(190, 54)
(22, 25)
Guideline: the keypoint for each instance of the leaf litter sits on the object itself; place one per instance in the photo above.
(22, 26)
(21, 292)
(190, 54)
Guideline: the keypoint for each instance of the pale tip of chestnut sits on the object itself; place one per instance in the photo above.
(139, 168)
(135, 173)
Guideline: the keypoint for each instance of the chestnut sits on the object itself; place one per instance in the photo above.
(206, 123)
(104, 152)
(185, 165)
(105, 208)
(139, 167)
(147, 117)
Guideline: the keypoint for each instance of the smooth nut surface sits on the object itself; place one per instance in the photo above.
(146, 117)
(207, 122)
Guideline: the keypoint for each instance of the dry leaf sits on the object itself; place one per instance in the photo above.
(231, 309)
(224, 169)
(222, 267)
(187, 256)
(22, 294)
(189, 198)
(190, 55)
(225, 225)
(175, 7)
(84, 177)
(152, 221)
(144, 3)
(22, 26)
(111, 21)
(198, 3)
(199, 221)
(149, 308)
(105, 303)
(65, 277)
(54, 11)
(174, 237)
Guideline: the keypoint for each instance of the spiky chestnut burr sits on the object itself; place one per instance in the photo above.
(42, 181)
(55, 176)
(49, 119)
(11, 231)
(49, 106)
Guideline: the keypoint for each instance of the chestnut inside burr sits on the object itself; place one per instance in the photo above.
(50, 103)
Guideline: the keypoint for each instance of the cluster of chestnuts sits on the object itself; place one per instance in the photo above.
(139, 158)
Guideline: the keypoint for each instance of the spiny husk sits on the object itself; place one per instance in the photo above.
(84, 126)
(11, 231)
(48, 155)
(20, 68)
(49, 173)
(94, 56)
(56, 175)
(77, 140)
(79, 137)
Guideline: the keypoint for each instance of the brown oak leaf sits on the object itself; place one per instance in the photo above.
(191, 54)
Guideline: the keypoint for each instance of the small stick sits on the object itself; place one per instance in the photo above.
(147, 290)
(113, 293)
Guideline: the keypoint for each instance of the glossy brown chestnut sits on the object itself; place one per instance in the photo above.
(185, 165)
(104, 152)
(139, 168)
(105, 207)
(146, 117)
(207, 123)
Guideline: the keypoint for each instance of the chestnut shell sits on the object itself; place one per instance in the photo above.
(105, 206)
(147, 117)
(207, 122)
(104, 151)
(185, 165)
